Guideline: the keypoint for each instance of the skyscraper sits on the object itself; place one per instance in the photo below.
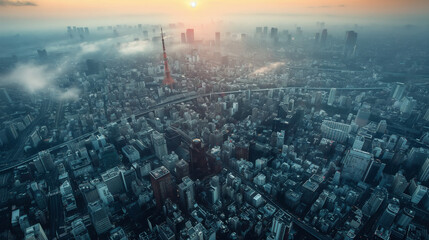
(162, 185)
(355, 164)
(186, 193)
(331, 97)
(324, 37)
(35, 232)
(399, 91)
(199, 164)
(362, 117)
(99, 218)
(183, 38)
(424, 171)
(217, 38)
(190, 35)
(350, 45)
(159, 145)
(386, 219)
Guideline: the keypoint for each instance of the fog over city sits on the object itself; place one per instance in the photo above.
(214, 119)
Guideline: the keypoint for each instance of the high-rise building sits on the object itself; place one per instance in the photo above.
(331, 97)
(131, 153)
(399, 91)
(114, 181)
(388, 216)
(35, 232)
(400, 183)
(405, 217)
(99, 217)
(46, 160)
(362, 117)
(217, 38)
(324, 37)
(109, 157)
(350, 45)
(281, 225)
(418, 194)
(373, 203)
(355, 164)
(162, 185)
(159, 144)
(335, 130)
(182, 169)
(183, 38)
(424, 171)
(382, 126)
(79, 230)
(186, 193)
(199, 164)
(190, 35)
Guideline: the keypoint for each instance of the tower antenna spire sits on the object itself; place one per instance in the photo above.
(168, 80)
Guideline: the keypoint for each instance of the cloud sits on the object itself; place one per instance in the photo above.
(17, 3)
(328, 6)
(136, 47)
(268, 68)
(38, 79)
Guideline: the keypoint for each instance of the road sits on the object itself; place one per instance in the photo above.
(12, 164)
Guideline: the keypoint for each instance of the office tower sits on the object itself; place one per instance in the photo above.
(400, 183)
(182, 169)
(399, 91)
(4, 96)
(358, 143)
(131, 153)
(331, 97)
(35, 232)
(350, 45)
(258, 32)
(214, 189)
(242, 150)
(128, 176)
(216, 138)
(416, 157)
(362, 117)
(374, 172)
(89, 191)
(190, 35)
(324, 37)
(99, 218)
(355, 164)
(199, 165)
(373, 203)
(405, 217)
(407, 105)
(168, 80)
(217, 38)
(281, 225)
(182, 38)
(382, 126)
(274, 35)
(109, 158)
(162, 185)
(118, 233)
(265, 31)
(113, 180)
(186, 193)
(79, 230)
(335, 130)
(418, 194)
(280, 139)
(316, 38)
(170, 160)
(46, 160)
(388, 216)
(391, 143)
(424, 171)
(159, 144)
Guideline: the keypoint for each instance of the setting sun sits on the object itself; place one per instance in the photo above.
(193, 4)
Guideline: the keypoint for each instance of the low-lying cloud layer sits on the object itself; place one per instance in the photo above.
(5, 3)
(268, 68)
(36, 79)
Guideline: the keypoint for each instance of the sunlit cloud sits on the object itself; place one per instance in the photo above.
(38, 79)
(136, 47)
(268, 68)
(5, 3)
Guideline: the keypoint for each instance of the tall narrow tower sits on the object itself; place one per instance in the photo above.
(167, 79)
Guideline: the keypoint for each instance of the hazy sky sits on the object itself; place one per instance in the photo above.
(65, 11)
